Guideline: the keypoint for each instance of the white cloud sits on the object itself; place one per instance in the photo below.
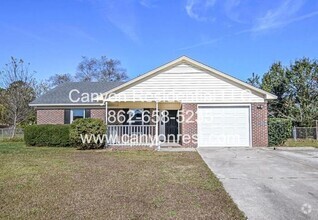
(258, 18)
(25, 32)
(121, 14)
(200, 9)
(148, 3)
(72, 30)
(286, 13)
(279, 16)
(200, 44)
(267, 16)
(235, 10)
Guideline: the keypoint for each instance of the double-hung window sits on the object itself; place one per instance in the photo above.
(77, 113)
(72, 114)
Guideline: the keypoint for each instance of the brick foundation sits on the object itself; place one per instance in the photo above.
(50, 116)
(259, 125)
(189, 129)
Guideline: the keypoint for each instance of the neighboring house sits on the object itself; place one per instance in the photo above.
(197, 105)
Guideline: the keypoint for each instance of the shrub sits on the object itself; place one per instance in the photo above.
(90, 128)
(279, 130)
(47, 135)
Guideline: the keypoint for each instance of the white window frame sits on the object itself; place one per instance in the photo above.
(71, 112)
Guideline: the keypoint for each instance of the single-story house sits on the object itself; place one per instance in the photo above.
(183, 102)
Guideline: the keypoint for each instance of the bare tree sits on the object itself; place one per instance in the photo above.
(41, 87)
(2, 107)
(102, 69)
(18, 83)
(58, 79)
(86, 69)
(110, 70)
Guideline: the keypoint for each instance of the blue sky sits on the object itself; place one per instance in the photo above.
(235, 36)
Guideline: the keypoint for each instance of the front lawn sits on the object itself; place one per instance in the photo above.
(64, 183)
(301, 143)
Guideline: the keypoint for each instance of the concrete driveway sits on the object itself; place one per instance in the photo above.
(268, 184)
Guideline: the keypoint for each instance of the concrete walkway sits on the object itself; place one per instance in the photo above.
(268, 184)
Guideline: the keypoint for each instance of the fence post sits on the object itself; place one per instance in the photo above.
(316, 129)
(294, 133)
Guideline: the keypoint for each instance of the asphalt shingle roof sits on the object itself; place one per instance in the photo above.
(60, 94)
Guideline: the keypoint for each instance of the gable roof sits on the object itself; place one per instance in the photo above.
(196, 64)
(59, 96)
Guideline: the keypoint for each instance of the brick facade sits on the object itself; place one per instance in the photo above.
(188, 128)
(56, 116)
(98, 113)
(258, 117)
(259, 125)
(50, 116)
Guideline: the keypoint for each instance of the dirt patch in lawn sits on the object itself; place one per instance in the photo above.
(47, 183)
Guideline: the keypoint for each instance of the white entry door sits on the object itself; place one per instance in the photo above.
(224, 126)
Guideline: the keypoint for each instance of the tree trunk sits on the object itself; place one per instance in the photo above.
(14, 126)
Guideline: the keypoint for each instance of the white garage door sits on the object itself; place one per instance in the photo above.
(223, 126)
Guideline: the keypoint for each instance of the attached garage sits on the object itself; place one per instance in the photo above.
(224, 126)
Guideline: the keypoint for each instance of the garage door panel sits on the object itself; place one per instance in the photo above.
(223, 126)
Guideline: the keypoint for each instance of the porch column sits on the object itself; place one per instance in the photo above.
(157, 126)
(106, 113)
(106, 122)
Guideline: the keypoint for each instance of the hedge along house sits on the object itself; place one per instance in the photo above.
(184, 102)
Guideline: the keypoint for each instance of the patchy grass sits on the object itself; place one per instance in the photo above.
(7, 138)
(64, 183)
(301, 143)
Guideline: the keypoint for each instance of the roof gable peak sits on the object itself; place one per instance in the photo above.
(196, 64)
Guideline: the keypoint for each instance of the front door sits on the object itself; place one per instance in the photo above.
(171, 127)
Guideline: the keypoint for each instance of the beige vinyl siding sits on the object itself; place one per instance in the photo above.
(184, 83)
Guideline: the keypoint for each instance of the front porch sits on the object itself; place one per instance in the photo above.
(143, 124)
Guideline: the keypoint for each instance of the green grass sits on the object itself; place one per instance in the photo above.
(301, 143)
(6, 138)
(64, 183)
